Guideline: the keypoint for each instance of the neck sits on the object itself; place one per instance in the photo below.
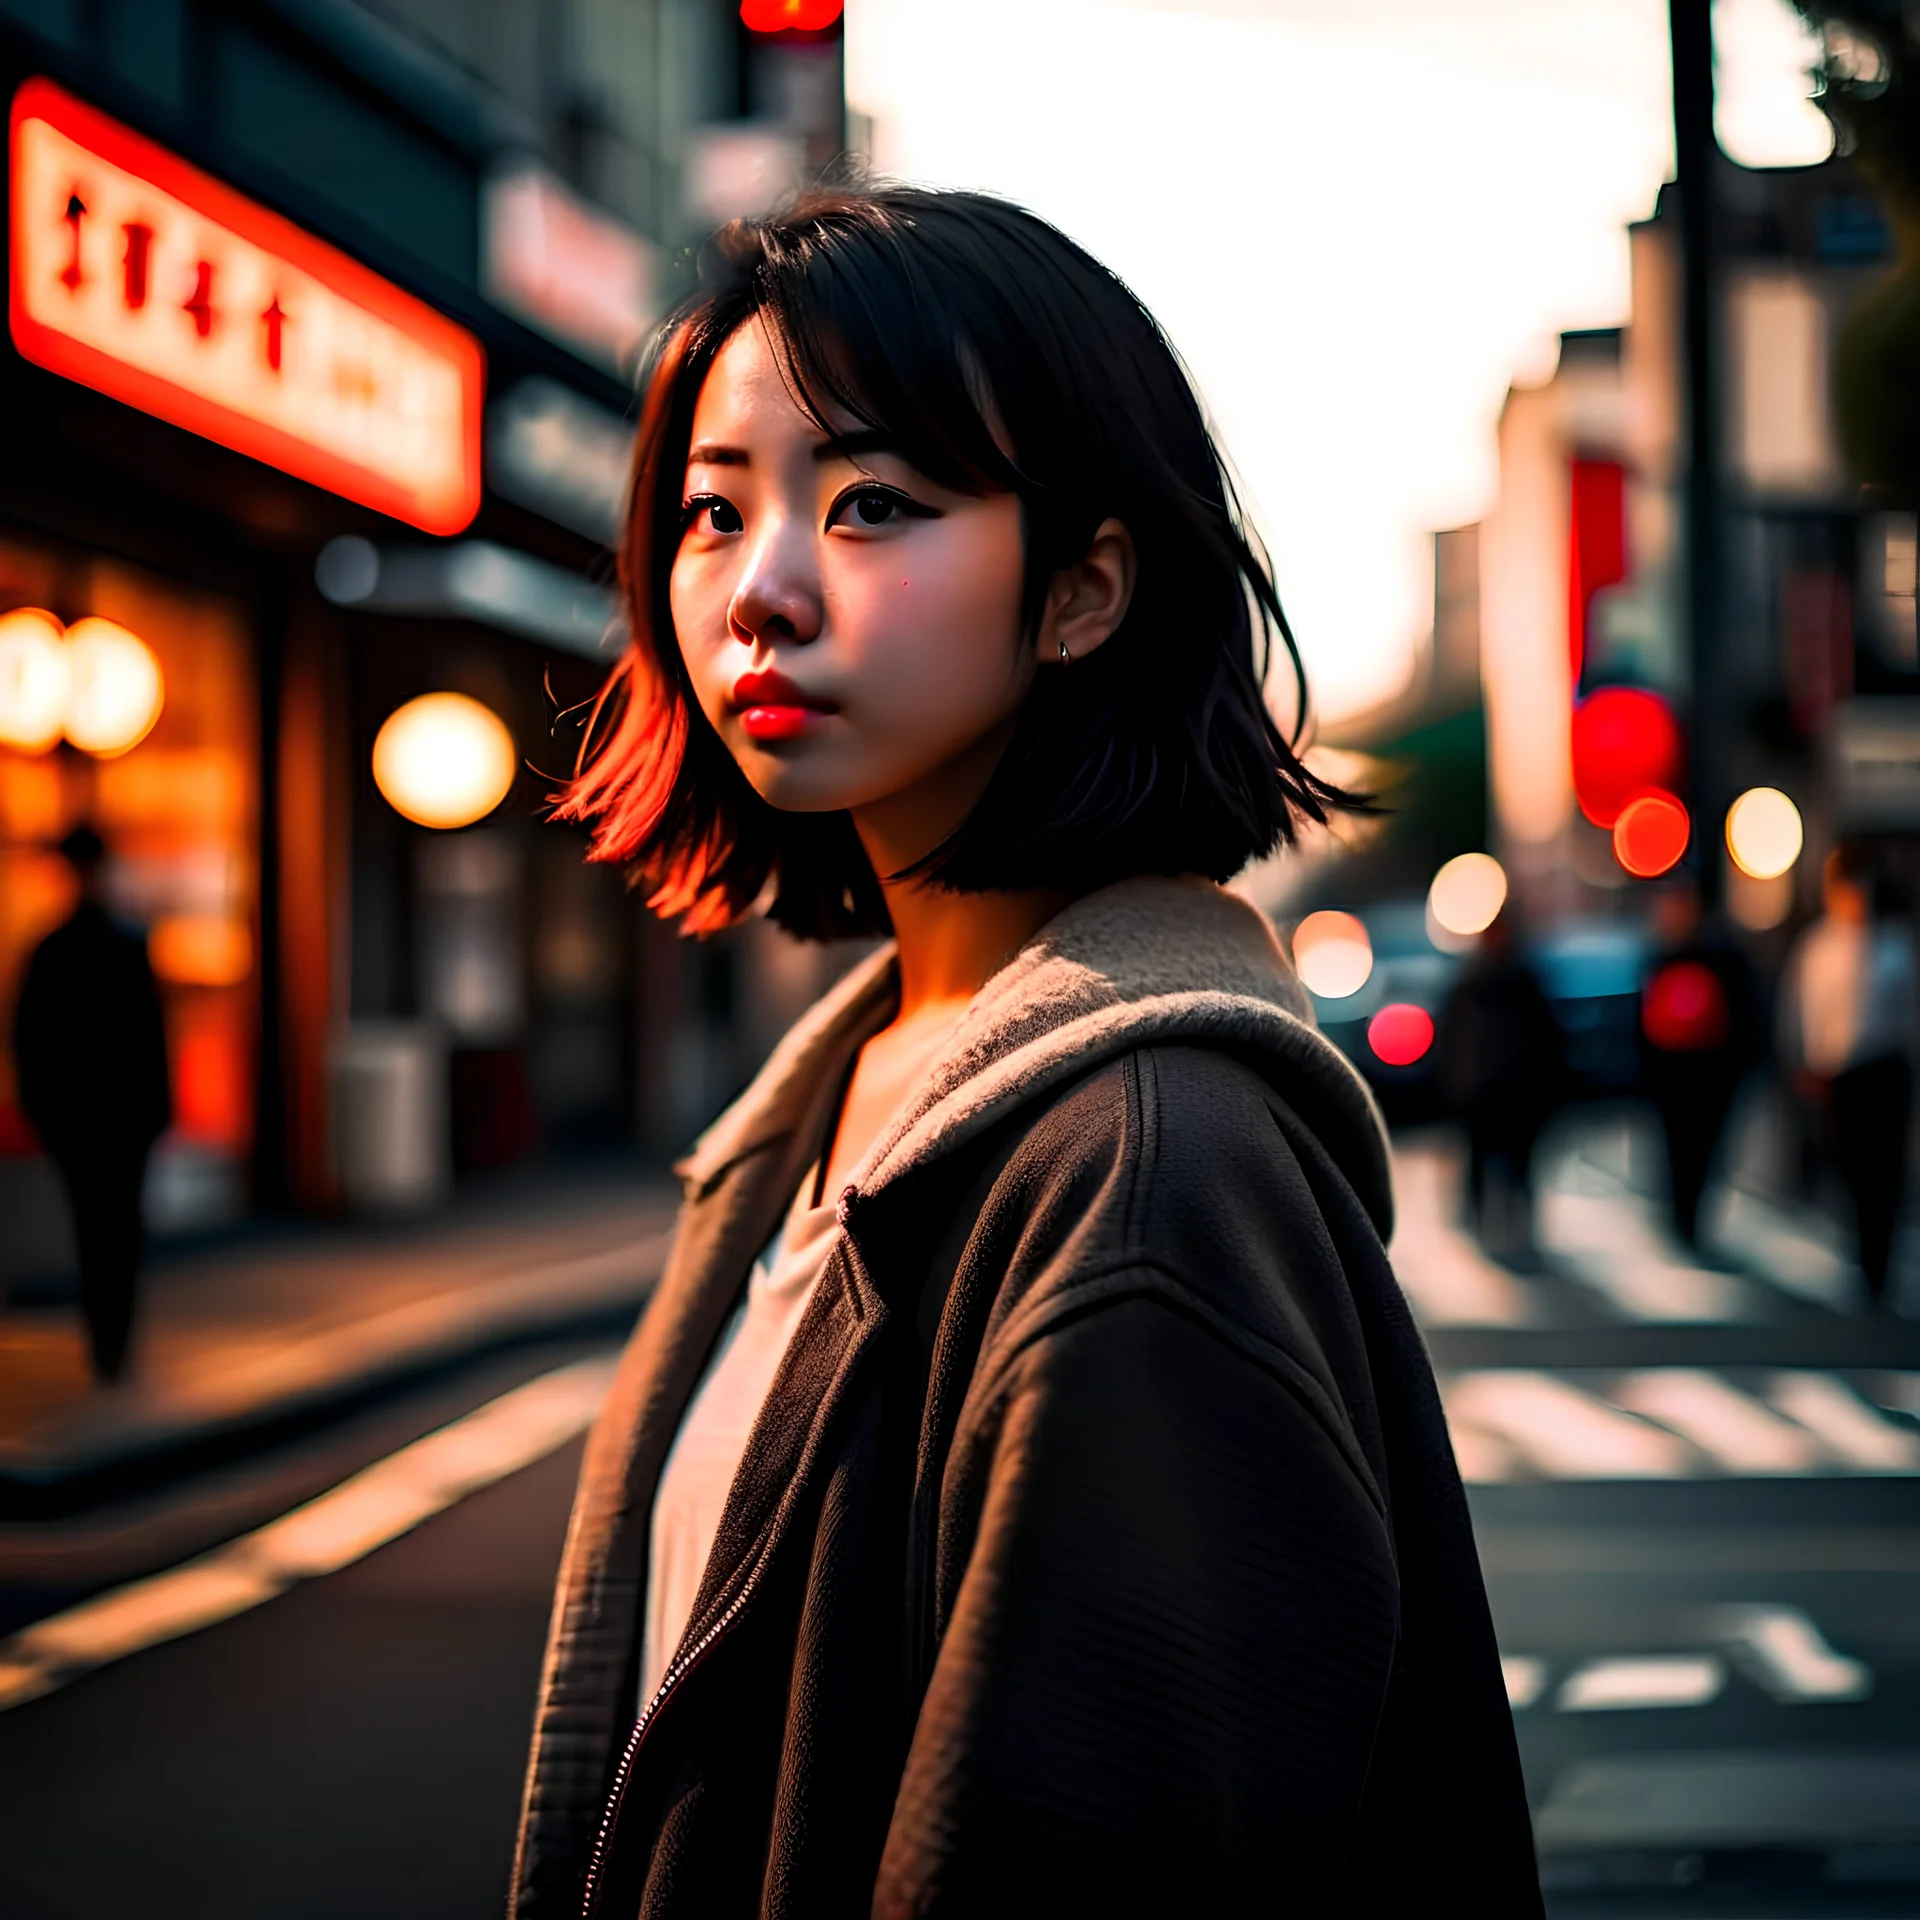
(952, 944)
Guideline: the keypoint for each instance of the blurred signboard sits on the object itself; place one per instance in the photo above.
(1876, 763)
(559, 454)
(136, 274)
(572, 270)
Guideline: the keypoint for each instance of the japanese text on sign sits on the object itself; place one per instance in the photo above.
(137, 274)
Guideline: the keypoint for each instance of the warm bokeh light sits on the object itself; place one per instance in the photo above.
(200, 950)
(115, 689)
(1650, 835)
(1467, 894)
(1400, 1033)
(1333, 954)
(443, 760)
(1764, 834)
(1626, 742)
(33, 680)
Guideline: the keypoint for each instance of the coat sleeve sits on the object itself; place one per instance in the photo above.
(1159, 1681)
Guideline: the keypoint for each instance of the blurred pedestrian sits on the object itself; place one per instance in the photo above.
(1024, 1493)
(90, 1053)
(1699, 1037)
(1848, 1019)
(1501, 1066)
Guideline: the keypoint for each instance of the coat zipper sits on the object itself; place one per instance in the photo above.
(596, 1863)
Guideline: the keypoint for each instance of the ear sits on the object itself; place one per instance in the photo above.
(1089, 599)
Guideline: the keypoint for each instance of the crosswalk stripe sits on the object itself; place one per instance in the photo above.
(1669, 1423)
(1732, 1428)
(1782, 1649)
(1860, 1435)
(1560, 1430)
(1643, 1680)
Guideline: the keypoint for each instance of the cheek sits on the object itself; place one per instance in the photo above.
(946, 622)
(698, 599)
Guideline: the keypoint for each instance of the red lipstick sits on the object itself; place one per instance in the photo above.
(772, 707)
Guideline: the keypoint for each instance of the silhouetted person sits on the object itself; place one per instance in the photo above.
(1501, 1062)
(1848, 1031)
(91, 1056)
(1699, 1037)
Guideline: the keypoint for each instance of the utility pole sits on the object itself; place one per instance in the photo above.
(1690, 27)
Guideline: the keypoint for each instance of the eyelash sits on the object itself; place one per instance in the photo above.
(870, 490)
(692, 509)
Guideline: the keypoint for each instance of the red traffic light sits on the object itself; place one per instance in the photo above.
(789, 16)
(1626, 742)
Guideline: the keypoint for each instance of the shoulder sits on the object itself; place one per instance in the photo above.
(1182, 1166)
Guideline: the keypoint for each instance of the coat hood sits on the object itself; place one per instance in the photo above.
(1148, 962)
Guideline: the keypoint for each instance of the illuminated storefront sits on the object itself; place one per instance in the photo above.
(203, 395)
(164, 766)
(317, 393)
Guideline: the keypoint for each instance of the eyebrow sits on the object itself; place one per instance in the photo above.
(850, 446)
(836, 446)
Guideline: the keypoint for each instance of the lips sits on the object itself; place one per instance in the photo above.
(772, 707)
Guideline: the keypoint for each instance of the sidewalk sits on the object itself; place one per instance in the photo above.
(255, 1336)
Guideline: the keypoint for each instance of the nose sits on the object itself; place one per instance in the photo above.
(778, 597)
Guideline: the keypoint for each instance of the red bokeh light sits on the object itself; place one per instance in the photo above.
(1400, 1033)
(1626, 742)
(1684, 1009)
(789, 16)
(1650, 835)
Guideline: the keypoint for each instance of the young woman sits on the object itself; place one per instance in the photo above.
(1025, 1491)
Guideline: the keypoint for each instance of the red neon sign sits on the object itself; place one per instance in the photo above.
(138, 275)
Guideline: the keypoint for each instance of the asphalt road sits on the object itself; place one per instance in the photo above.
(1715, 1666)
(352, 1748)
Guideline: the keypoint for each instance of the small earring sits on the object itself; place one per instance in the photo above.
(1066, 659)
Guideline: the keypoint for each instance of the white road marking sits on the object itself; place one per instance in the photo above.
(1526, 1678)
(1784, 1652)
(387, 1499)
(1856, 1433)
(1732, 1428)
(1447, 1277)
(1611, 1244)
(1562, 1431)
(1643, 1680)
(1674, 1423)
(1786, 1249)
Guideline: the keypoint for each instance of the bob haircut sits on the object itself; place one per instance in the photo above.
(997, 356)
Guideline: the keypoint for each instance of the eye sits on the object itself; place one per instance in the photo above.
(721, 516)
(872, 506)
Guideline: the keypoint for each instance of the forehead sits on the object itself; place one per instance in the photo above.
(748, 395)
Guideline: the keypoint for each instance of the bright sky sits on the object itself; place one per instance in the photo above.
(1359, 221)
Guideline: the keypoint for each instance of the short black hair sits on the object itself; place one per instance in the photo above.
(997, 356)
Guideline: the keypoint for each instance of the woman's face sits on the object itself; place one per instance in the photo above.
(851, 629)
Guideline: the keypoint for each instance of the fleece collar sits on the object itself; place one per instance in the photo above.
(1149, 962)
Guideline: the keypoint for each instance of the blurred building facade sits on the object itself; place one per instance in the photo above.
(519, 179)
(1582, 559)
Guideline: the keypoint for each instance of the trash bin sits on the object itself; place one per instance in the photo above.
(390, 1146)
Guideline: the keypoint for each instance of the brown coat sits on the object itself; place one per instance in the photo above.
(1100, 1548)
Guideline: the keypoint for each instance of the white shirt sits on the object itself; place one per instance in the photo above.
(712, 1440)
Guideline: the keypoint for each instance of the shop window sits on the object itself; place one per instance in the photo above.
(178, 813)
